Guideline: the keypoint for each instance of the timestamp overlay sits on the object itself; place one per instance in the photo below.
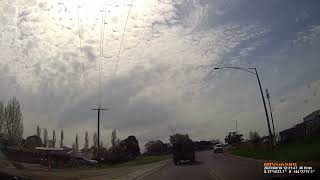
(287, 168)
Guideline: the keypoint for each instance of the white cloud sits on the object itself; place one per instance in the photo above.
(159, 83)
(309, 36)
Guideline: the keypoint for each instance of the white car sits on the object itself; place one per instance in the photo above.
(218, 148)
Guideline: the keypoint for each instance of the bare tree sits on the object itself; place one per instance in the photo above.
(61, 138)
(13, 122)
(2, 117)
(118, 141)
(86, 141)
(77, 143)
(113, 138)
(38, 131)
(95, 140)
(254, 137)
(45, 137)
(53, 138)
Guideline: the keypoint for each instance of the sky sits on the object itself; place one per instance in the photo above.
(153, 60)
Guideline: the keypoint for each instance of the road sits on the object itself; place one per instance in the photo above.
(211, 166)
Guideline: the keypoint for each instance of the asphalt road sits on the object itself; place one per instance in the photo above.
(211, 166)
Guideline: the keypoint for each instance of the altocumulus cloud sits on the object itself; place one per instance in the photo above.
(164, 78)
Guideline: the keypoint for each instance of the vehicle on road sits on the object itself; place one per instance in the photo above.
(183, 152)
(218, 148)
(82, 161)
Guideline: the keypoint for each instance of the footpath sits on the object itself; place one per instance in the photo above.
(121, 173)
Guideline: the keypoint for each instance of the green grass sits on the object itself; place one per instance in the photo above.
(307, 149)
(144, 160)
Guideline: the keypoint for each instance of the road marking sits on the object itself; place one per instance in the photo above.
(151, 172)
(212, 173)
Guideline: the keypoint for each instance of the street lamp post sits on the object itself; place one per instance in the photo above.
(262, 95)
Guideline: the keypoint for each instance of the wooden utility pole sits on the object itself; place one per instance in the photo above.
(270, 109)
(99, 109)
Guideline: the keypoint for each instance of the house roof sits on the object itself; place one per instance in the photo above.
(312, 115)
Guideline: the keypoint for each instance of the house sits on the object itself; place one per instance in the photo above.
(312, 123)
(296, 132)
(53, 157)
(309, 126)
(32, 142)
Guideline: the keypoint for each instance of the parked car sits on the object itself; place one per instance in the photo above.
(218, 148)
(81, 161)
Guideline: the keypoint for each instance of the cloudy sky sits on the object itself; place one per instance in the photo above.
(164, 79)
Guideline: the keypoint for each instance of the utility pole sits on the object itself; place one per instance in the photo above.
(99, 109)
(270, 109)
(255, 72)
(265, 107)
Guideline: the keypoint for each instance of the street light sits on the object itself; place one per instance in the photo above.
(261, 91)
(236, 125)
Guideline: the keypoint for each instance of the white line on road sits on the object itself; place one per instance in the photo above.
(212, 173)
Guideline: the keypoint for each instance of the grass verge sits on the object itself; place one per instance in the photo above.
(307, 149)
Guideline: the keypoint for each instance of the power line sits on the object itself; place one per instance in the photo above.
(121, 42)
(100, 48)
(81, 51)
(101, 51)
(100, 71)
(119, 51)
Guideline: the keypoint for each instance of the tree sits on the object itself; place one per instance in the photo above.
(95, 140)
(113, 137)
(118, 141)
(38, 131)
(13, 122)
(53, 138)
(77, 143)
(254, 137)
(61, 139)
(179, 138)
(50, 143)
(233, 138)
(86, 141)
(2, 117)
(45, 137)
(131, 146)
(75, 146)
(156, 148)
(116, 154)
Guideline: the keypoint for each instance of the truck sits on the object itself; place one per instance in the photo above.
(183, 151)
